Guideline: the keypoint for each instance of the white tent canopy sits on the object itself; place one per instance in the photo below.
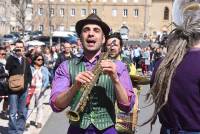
(35, 43)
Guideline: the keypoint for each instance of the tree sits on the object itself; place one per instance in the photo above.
(21, 7)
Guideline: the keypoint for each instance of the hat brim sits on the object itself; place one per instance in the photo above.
(80, 24)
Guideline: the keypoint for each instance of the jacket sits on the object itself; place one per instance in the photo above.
(45, 78)
(14, 67)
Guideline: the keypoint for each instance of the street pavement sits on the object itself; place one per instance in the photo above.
(32, 130)
(145, 114)
(57, 123)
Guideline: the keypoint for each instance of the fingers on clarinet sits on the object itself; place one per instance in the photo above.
(86, 80)
(88, 75)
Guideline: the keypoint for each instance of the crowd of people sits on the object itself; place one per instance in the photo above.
(37, 64)
(98, 79)
(145, 57)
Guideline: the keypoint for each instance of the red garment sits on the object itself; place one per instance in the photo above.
(30, 94)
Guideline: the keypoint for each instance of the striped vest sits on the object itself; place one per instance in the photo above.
(99, 110)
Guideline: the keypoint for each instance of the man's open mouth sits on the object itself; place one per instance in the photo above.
(91, 42)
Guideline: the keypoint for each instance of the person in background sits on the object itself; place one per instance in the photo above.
(3, 84)
(65, 55)
(58, 48)
(39, 84)
(38, 49)
(80, 48)
(54, 52)
(30, 53)
(175, 83)
(9, 48)
(136, 55)
(15, 64)
(99, 114)
(49, 62)
(146, 59)
(157, 55)
(126, 122)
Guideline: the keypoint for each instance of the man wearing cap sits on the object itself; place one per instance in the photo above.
(113, 85)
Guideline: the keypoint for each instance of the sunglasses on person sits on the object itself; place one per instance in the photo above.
(3, 54)
(19, 47)
(39, 59)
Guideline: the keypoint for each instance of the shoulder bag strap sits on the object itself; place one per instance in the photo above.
(24, 66)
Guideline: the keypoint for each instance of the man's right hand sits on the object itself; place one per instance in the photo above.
(84, 78)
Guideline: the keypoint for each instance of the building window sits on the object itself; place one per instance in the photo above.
(41, 28)
(114, 1)
(51, 11)
(166, 13)
(114, 12)
(73, 12)
(125, 1)
(104, 0)
(83, 12)
(94, 10)
(62, 12)
(125, 12)
(62, 0)
(136, 1)
(136, 12)
(40, 11)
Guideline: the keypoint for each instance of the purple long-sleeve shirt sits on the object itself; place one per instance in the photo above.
(182, 111)
(62, 82)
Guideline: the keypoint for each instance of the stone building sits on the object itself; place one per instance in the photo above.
(5, 19)
(10, 14)
(133, 18)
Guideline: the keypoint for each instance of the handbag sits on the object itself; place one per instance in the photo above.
(16, 82)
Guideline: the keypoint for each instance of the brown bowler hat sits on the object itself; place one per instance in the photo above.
(92, 19)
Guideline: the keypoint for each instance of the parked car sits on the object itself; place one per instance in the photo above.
(9, 38)
(16, 34)
(69, 36)
(55, 40)
(35, 34)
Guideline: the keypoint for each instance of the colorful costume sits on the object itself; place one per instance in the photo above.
(99, 114)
